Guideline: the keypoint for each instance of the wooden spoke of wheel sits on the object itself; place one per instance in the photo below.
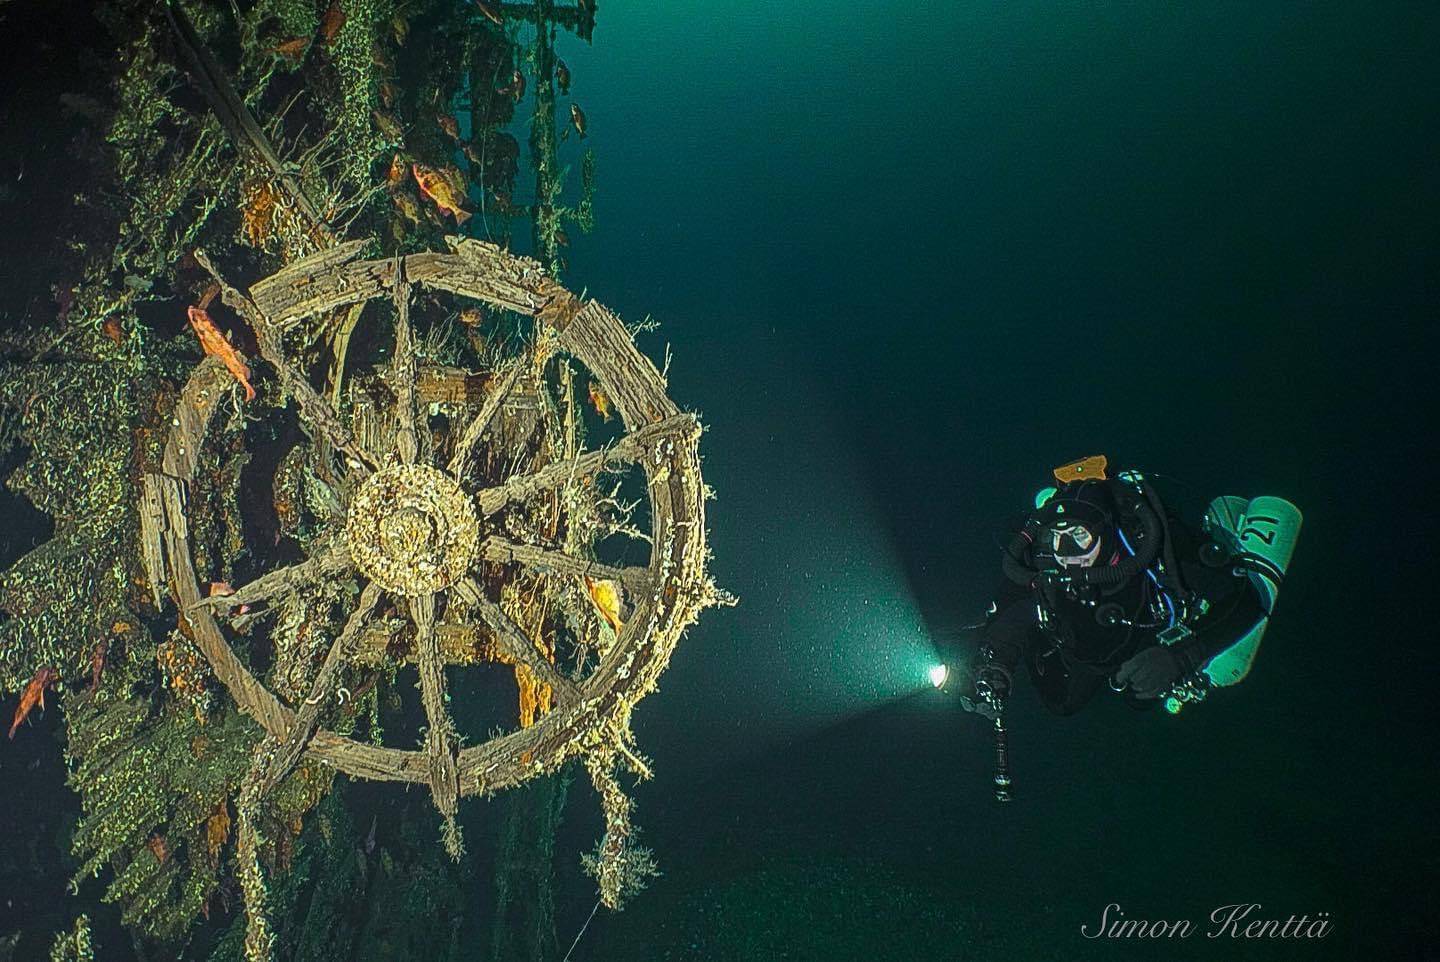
(482, 420)
(307, 717)
(314, 409)
(403, 370)
(663, 441)
(331, 560)
(627, 450)
(504, 552)
(513, 641)
(441, 745)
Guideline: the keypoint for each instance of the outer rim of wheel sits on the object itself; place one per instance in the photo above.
(597, 718)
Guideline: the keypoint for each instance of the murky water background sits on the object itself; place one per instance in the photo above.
(909, 258)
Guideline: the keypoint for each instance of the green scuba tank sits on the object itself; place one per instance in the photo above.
(1260, 535)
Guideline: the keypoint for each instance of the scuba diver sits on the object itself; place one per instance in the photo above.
(1106, 590)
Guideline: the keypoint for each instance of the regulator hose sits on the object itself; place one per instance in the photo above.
(1015, 561)
(1116, 576)
(1172, 566)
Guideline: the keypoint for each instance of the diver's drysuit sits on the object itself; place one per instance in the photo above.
(1152, 604)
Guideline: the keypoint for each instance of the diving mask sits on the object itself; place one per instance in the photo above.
(1073, 544)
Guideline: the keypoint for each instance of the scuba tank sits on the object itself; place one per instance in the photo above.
(1260, 536)
(1256, 539)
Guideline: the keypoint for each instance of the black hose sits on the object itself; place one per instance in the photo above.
(1015, 559)
(1114, 577)
(1153, 537)
(1172, 566)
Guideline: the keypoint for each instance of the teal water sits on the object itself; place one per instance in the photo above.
(910, 257)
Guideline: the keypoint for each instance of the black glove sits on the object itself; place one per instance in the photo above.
(992, 687)
(979, 706)
(1152, 672)
(1052, 585)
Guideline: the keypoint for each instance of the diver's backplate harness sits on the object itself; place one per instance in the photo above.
(1129, 512)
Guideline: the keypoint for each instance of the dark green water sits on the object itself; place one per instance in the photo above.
(909, 258)
(912, 256)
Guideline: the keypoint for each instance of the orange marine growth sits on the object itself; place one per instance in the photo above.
(292, 49)
(331, 23)
(600, 401)
(440, 188)
(257, 213)
(97, 662)
(536, 697)
(34, 694)
(395, 175)
(213, 343)
(217, 829)
(606, 596)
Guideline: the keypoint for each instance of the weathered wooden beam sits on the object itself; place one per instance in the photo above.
(302, 290)
(314, 409)
(441, 745)
(501, 551)
(629, 449)
(459, 645)
(604, 344)
(403, 371)
(512, 640)
(191, 417)
(438, 384)
(307, 717)
(276, 295)
(485, 272)
(471, 435)
(330, 560)
(152, 536)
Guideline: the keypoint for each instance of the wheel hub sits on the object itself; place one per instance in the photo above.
(412, 530)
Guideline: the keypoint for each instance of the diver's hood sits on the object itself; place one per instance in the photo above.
(1076, 522)
(1094, 504)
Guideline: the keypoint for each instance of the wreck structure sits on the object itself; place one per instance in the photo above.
(402, 447)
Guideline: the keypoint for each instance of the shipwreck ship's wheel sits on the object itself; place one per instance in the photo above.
(418, 530)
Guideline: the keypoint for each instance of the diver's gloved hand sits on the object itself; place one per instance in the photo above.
(1053, 585)
(979, 706)
(1152, 672)
(992, 687)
